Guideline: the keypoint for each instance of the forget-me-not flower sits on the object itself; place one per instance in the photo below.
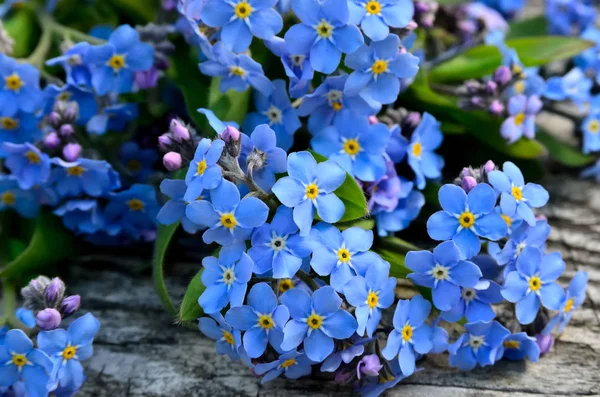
(18, 127)
(20, 86)
(518, 346)
(228, 340)
(204, 173)
(112, 118)
(297, 66)
(591, 127)
(475, 303)
(13, 197)
(521, 237)
(521, 118)
(481, 344)
(375, 17)
(408, 208)
(77, 71)
(574, 298)
(27, 164)
(354, 347)
(174, 210)
(92, 177)
(574, 86)
(81, 216)
(292, 364)
(426, 138)
(86, 100)
(138, 161)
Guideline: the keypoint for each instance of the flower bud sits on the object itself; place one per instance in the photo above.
(545, 342)
(411, 121)
(496, 108)
(502, 75)
(373, 120)
(491, 87)
(412, 25)
(172, 161)
(70, 305)
(489, 166)
(54, 118)
(146, 79)
(465, 172)
(477, 101)
(369, 365)
(468, 183)
(54, 291)
(179, 131)
(48, 319)
(71, 151)
(51, 141)
(472, 86)
(230, 134)
(66, 130)
(71, 111)
(164, 141)
(34, 291)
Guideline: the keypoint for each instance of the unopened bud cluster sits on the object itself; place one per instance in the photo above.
(46, 298)
(470, 177)
(61, 139)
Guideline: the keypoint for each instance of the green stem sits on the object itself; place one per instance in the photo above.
(307, 280)
(9, 305)
(67, 32)
(37, 57)
(165, 233)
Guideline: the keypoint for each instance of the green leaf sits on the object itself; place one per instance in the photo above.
(535, 26)
(563, 153)
(397, 267)
(140, 11)
(229, 106)
(190, 309)
(483, 60)
(431, 193)
(350, 193)
(395, 243)
(23, 28)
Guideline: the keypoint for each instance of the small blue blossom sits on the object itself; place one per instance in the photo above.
(112, 118)
(81, 216)
(226, 279)
(574, 298)
(534, 281)
(309, 186)
(521, 120)
(592, 171)
(518, 346)
(369, 295)
(27, 164)
(574, 86)
(237, 71)
(398, 144)
(228, 339)
(375, 17)
(589, 61)
(133, 209)
(204, 173)
(20, 86)
(508, 8)
(524, 236)
(239, 20)
(385, 193)
(378, 68)
(528, 80)
(229, 220)
(565, 16)
(86, 100)
(13, 197)
(475, 303)
(481, 344)
(316, 320)
(277, 247)
(354, 347)
(277, 111)
(78, 72)
(18, 127)
(174, 210)
(411, 335)
(261, 157)
(515, 194)
(324, 33)
(67, 348)
(261, 319)
(138, 161)
(409, 206)
(466, 217)
(25, 316)
(591, 128)
(357, 146)
(444, 272)
(297, 66)
(292, 364)
(115, 62)
(92, 177)
(426, 138)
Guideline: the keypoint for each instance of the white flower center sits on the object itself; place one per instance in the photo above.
(469, 294)
(476, 341)
(440, 272)
(277, 243)
(274, 115)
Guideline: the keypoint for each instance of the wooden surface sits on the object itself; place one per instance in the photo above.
(139, 352)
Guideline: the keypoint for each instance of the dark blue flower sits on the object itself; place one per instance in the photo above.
(138, 161)
(204, 173)
(297, 66)
(261, 157)
(421, 157)
(20, 88)
(409, 206)
(112, 118)
(12, 197)
(78, 72)
(475, 303)
(81, 216)
(134, 209)
(27, 164)
(93, 177)
(518, 346)
(228, 339)
(292, 364)
(174, 210)
(18, 127)
(375, 17)
(86, 100)
(482, 343)
(574, 298)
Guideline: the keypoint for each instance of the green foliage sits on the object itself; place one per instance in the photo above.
(535, 26)
(190, 310)
(23, 28)
(563, 153)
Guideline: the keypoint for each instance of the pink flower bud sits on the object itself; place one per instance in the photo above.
(491, 87)
(54, 291)
(369, 365)
(164, 141)
(496, 108)
(373, 120)
(48, 319)
(72, 151)
(66, 130)
(146, 79)
(51, 141)
(489, 166)
(179, 131)
(545, 342)
(468, 183)
(230, 134)
(70, 304)
(172, 161)
(54, 118)
(502, 75)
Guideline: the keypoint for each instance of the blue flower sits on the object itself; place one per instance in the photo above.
(228, 339)
(343, 254)
(574, 86)
(81, 216)
(475, 303)
(370, 294)
(20, 88)
(292, 364)
(408, 208)
(385, 193)
(316, 321)
(204, 173)
(591, 129)
(27, 164)
(309, 186)
(410, 335)
(115, 62)
(518, 346)
(22, 362)
(138, 161)
(482, 343)
(421, 157)
(112, 118)
(277, 111)
(22, 201)
(278, 247)
(375, 17)
(592, 171)
(239, 20)
(67, 348)
(226, 279)
(357, 146)
(398, 144)
(297, 66)
(588, 60)
(261, 158)
(134, 209)
(174, 210)
(93, 177)
(18, 127)
(237, 71)
(78, 72)
(563, 16)
(378, 68)
(261, 319)
(444, 272)
(521, 120)
(324, 33)
(534, 281)
(521, 237)
(354, 347)
(516, 195)
(465, 217)
(86, 100)
(505, 7)
(25, 316)
(229, 220)
(324, 104)
(574, 298)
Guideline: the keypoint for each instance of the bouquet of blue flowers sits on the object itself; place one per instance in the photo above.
(304, 138)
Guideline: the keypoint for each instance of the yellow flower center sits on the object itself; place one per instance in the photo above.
(569, 305)
(407, 333)
(69, 353)
(312, 191)
(14, 82)
(314, 321)
(517, 193)
(344, 255)
(19, 360)
(117, 62)
(520, 87)
(33, 157)
(380, 66)
(228, 221)
(243, 10)
(288, 363)
(201, 167)
(228, 337)
(337, 106)
(285, 285)
(593, 126)
(373, 7)
(417, 149)
(519, 118)
(75, 171)
(63, 96)
(8, 198)
(535, 283)
(134, 165)
(237, 71)
(351, 147)
(511, 344)
(8, 123)
(266, 321)
(324, 29)
(506, 219)
(372, 300)
(517, 70)
(466, 219)
(135, 205)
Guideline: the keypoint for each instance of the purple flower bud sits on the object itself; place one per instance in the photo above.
(373, 120)
(54, 291)
(545, 342)
(491, 87)
(411, 120)
(179, 131)
(70, 305)
(48, 319)
(146, 79)
(164, 141)
(502, 75)
(496, 108)
(342, 377)
(72, 111)
(472, 86)
(421, 7)
(412, 25)
(66, 130)
(231, 134)
(477, 101)
(489, 166)
(468, 183)
(71, 151)
(51, 141)
(54, 118)
(172, 161)
(369, 365)
(427, 20)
